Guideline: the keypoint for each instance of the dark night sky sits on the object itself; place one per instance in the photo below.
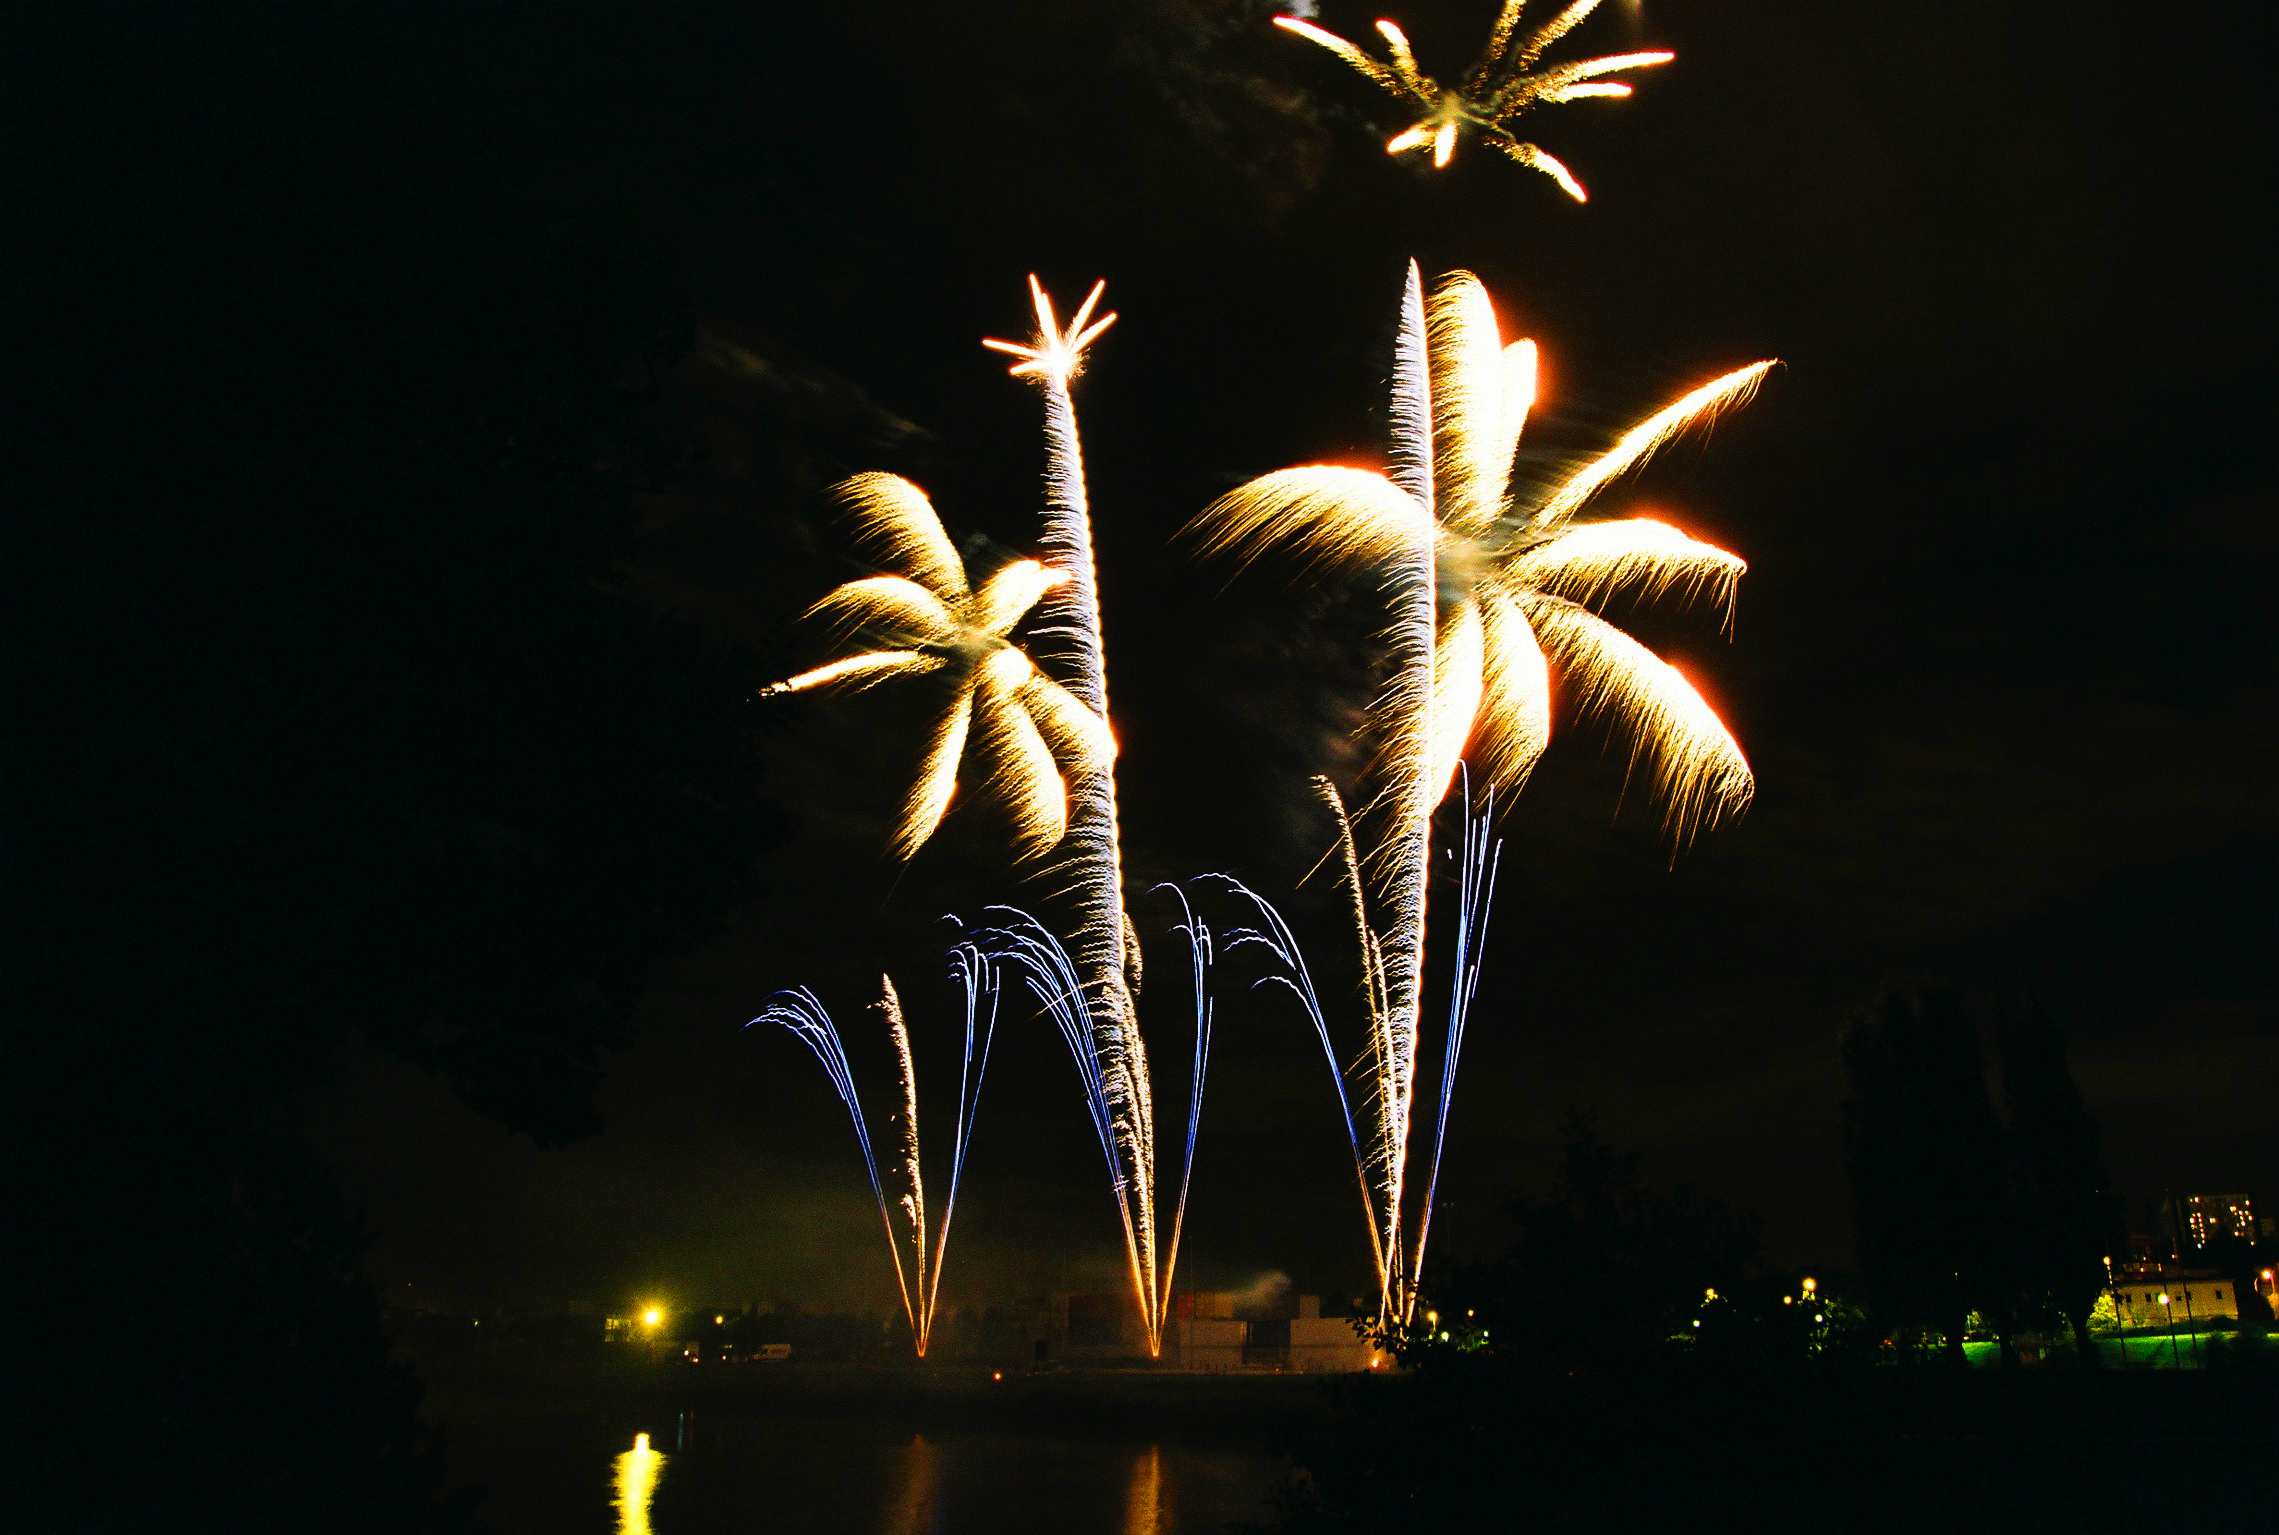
(2003, 661)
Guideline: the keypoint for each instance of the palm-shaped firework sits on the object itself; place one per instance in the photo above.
(1091, 986)
(1489, 587)
(930, 619)
(1502, 85)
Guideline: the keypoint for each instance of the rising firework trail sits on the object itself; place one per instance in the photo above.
(1501, 86)
(918, 1279)
(1103, 949)
(1287, 970)
(927, 618)
(1055, 983)
(1487, 585)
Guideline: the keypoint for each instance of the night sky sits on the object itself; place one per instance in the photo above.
(2003, 661)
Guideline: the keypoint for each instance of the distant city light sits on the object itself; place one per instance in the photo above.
(719, 1321)
(996, 1374)
(1811, 1285)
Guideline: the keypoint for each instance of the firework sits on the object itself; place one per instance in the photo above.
(1501, 86)
(918, 1280)
(1055, 983)
(1486, 587)
(1376, 1164)
(1103, 953)
(929, 619)
(1513, 576)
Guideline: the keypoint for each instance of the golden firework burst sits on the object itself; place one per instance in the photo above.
(1501, 86)
(929, 618)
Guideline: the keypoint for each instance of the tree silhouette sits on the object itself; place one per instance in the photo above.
(1603, 1270)
(1925, 1156)
(2067, 1219)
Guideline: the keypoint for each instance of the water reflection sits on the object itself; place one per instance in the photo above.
(817, 1475)
(1143, 1496)
(912, 1511)
(637, 1473)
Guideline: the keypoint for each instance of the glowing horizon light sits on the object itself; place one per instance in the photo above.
(1498, 88)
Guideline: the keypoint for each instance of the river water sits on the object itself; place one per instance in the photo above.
(699, 1471)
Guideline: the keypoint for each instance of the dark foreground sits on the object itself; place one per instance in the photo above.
(855, 1450)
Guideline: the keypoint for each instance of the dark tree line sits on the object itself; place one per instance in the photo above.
(1961, 1208)
(1603, 1270)
(325, 717)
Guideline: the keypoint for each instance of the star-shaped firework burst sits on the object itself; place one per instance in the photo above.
(1502, 85)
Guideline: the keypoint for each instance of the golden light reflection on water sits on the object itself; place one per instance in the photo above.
(912, 1511)
(1143, 1498)
(637, 1472)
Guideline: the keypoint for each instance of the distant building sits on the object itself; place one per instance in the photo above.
(2175, 1297)
(1206, 1334)
(1207, 1331)
(2192, 1221)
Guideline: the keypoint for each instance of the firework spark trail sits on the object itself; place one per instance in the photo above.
(1510, 570)
(1199, 956)
(932, 619)
(799, 1012)
(976, 978)
(1499, 87)
(1057, 987)
(1104, 956)
(1485, 589)
(1477, 863)
(1405, 727)
(1292, 975)
(913, 1202)
(1054, 982)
